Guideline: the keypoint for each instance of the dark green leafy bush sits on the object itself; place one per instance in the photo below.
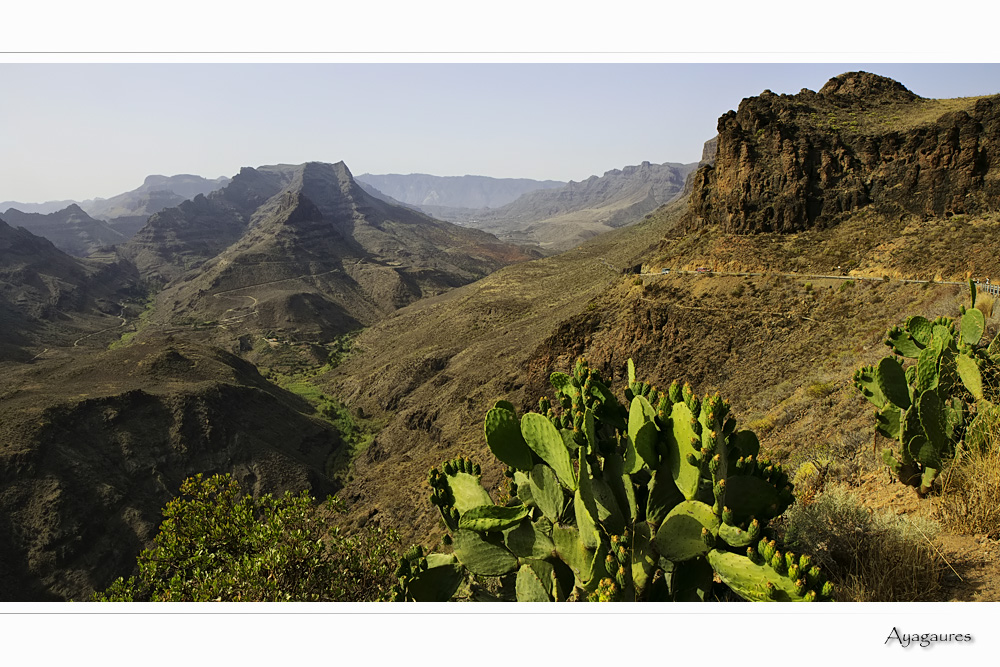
(218, 543)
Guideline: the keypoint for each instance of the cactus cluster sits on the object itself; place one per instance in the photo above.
(653, 499)
(936, 391)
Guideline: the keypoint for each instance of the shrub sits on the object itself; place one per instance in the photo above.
(217, 543)
(870, 557)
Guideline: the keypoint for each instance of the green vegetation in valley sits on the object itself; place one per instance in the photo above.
(298, 364)
(218, 543)
(138, 325)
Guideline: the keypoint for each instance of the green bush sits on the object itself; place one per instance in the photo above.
(217, 543)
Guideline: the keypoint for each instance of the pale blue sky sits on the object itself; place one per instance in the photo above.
(76, 131)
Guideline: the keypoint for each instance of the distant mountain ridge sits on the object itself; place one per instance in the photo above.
(453, 191)
(70, 229)
(155, 194)
(558, 219)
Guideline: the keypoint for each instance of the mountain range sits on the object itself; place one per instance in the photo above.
(293, 321)
(559, 218)
(81, 228)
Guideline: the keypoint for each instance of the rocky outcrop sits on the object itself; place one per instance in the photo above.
(91, 457)
(786, 163)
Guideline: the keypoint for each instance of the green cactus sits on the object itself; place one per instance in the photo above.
(929, 406)
(651, 500)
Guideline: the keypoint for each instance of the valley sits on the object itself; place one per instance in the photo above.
(299, 328)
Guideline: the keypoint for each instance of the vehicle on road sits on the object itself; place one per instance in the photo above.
(664, 271)
(701, 269)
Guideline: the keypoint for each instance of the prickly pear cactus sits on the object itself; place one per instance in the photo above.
(651, 500)
(934, 391)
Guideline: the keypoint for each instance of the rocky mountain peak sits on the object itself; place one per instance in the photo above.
(74, 209)
(868, 88)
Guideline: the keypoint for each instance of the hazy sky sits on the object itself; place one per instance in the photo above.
(77, 131)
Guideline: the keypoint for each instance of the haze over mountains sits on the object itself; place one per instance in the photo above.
(561, 216)
(424, 190)
(81, 228)
(127, 371)
(154, 191)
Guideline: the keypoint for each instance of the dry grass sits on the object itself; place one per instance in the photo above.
(984, 302)
(869, 557)
(971, 494)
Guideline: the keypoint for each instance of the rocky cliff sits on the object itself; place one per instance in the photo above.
(786, 163)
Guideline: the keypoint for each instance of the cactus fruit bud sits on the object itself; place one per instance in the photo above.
(727, 516)
(778, 563)
(767, 549)
(810, 596)
(708, 537)
(674, 393)
(815, 576)
(544, 404)
(793, 573)
(827, 590)
(692, 459)
(715, 464)
(790, 559)
(800, 587)
(478, 469)
(772, 592)
(805, 562)
(754, 530)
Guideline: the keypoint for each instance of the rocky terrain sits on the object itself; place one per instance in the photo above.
(808, 215)
(782, 345)
(49, 298)
(318, 258)
(786, 163)
(93, 446)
